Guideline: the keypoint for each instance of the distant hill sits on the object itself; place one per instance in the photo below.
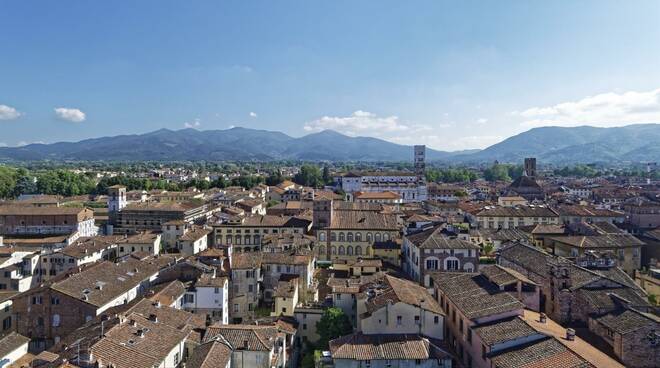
(216, 145)
(549, 144)
(582, 144)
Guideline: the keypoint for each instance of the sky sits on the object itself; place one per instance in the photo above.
(449, 74)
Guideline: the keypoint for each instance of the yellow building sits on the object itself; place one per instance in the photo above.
(624, 249)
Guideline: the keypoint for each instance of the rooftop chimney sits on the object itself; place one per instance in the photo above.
(153, 318)
(570, 334)
(542, 318)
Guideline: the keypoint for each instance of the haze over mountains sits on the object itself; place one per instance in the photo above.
(549, 144)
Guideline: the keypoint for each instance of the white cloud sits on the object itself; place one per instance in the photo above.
(482, 121)
(3, 144)
(9, 113)
(192, 124)
(391, 128)
(253, 114)
(69, 114)
(231, 127)
(603, 110)
(360, 123)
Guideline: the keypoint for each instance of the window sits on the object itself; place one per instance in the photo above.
(436, 320)
(358, 237)
(188, 298)
(56, 320)
(431, 264)
(36, 299)
(367, 363)
(338, 296)
(6, 323)
(399, 320)
(216, 290)
(349, 237)
(369, 237)
(54, 300)
(322, 236)
(236, 308)
(417, 321)
(377, 237)
(304, 326)
(452, 265)
(358, 250)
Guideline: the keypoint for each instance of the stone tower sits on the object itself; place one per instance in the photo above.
(420, 165)
(322, 213)
(530, 167)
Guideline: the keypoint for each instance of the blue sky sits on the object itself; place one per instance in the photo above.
(453, 75)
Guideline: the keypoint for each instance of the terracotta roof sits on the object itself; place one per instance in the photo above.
(11, 342)
(505, 330)
(629, 320)
(384, 347)
(244, 337)
(394, 290)
(503, 276)
(169, 292)
(102, 283)
(212, 354)
(247, 260)
(540, 354)
(434, 239)
(474, 295)
(377, 195)
(363, 220)
(520, 211)
(195, 234)
(600, 241)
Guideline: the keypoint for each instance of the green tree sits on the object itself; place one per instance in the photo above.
(309, 176)
(333, 324)
(327, 178)
(7, 182)
(497, 172)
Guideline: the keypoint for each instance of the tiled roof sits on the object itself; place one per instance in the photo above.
(11, 342)
(244, 337)
(394, 290)
(522, 211)
(504, 330)
(102, 283)
(474, 295)
(540, 354)
(212, 354)
(123, 346)
(286, 258)
(246, 260)
(503, 276)
(377, 195)
(629, 320)
(168, 293)
(195, 234)
(434, 239)
(363, 220)
(584, 211)
(600, 241)
(384, 347)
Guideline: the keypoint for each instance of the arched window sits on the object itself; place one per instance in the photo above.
(333, 237)
(349, 250)
(468, 267)
(377, 237)
(228, 239)
(321, 250)
(369, 237)
(358, 250)
(247, 240)
(334, 249)
(342, 237)
(257, 239)
(349, 237)
(342, 251)
(238, 240)
(322, 236)
(386, 236)
(358, 237)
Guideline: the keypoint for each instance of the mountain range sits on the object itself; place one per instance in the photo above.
(549, 144)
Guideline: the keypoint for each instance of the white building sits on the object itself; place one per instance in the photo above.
(209, 296)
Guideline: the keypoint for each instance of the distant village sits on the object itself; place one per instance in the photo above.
(371, 267)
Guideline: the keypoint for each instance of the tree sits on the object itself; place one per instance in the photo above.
(327, 178)
(7, 182)
(497, 172)
(333, 324)
(274, 178)
(309, 176)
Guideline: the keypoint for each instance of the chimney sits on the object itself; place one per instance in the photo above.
(140, 332)
(245, 344)
(542, 318)
(133, 323)
(570, 334)
(153, 318)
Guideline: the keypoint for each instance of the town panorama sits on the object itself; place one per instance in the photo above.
(345, 184)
